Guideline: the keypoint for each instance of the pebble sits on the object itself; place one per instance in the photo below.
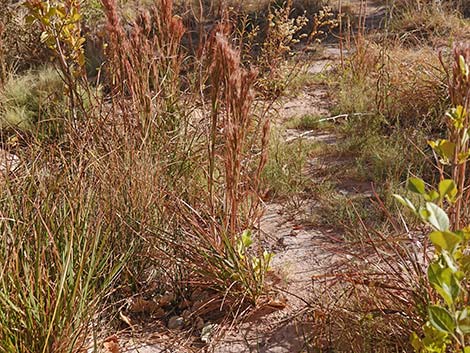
(8, 162)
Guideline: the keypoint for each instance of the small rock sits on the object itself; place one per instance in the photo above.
(8, 162)
(175, 322)
(207, 332)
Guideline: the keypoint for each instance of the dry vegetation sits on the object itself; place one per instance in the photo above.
(139, 145)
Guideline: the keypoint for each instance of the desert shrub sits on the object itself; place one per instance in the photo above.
(286, 27)
(444, 209)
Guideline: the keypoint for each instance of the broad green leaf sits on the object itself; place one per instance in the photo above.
(424, 213)
(444, 148)
(434, 270)
(447, 149)
(447, 188)
(433, 195)
(405, 202)
(463, 322)
(437, 217)
(417, 186)
(445, 240)
(441, 319)
(466, 349)
(450, 261)
(444, 282)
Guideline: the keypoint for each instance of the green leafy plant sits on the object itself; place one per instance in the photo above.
(448, 312)
(61, 32)
(260, 264)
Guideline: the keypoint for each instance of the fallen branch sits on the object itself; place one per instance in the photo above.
(343, 116)
(310, 132)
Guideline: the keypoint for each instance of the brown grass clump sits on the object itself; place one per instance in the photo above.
(220, 188)
(134, 68)
(237, 98)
